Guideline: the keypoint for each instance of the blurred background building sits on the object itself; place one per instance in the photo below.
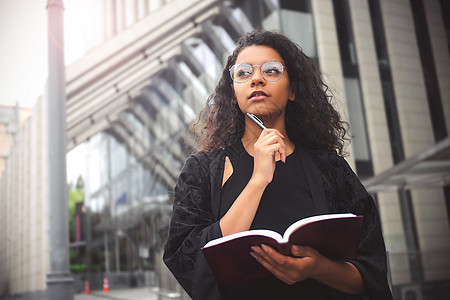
(145, 71)
(11, 119)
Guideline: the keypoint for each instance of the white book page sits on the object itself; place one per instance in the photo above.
(264, 232)
(304, 221)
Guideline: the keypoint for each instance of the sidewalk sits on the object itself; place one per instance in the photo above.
(143, 293)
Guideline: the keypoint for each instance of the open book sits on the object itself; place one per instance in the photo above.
(333, 235)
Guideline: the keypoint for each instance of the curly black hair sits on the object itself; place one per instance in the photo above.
(311, 120)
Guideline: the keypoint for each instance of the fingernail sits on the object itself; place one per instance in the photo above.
(295, 249)
(254, 248)
(265, 248)
(254, 255)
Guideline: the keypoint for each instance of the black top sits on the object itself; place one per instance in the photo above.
(334, 189)
(285, 200)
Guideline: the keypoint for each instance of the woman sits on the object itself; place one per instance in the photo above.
(244, 178)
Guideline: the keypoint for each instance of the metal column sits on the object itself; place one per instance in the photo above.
(59, 279)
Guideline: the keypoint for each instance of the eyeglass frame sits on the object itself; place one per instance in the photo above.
(260, 69)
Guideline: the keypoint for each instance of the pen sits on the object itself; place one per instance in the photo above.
(256, 120)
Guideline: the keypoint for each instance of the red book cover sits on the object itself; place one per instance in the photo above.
(333, 235)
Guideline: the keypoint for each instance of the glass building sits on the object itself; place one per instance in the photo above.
(149, 70)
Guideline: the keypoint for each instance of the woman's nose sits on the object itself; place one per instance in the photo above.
(257, 77)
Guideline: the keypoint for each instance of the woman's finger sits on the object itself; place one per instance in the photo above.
(273, 261)
(272, 138)
(271, 130)
(278, 273)
(276, 131)
(303, 251)
(277, 148)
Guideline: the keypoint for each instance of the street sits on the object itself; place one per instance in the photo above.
(143, 293)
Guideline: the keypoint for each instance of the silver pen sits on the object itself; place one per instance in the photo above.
(256, 120)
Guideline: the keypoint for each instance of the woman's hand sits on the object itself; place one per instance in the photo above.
(289, 269)
(309, 263)
(267, 148)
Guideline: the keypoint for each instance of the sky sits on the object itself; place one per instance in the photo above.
(23, 51)
(23, 55)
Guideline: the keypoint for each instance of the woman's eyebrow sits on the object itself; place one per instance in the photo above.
(244, 62)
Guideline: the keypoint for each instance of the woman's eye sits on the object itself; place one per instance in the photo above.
(272, 71)
(242, 73)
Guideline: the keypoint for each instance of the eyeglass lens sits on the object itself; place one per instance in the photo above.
(271, 71)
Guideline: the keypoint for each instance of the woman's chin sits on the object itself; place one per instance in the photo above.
(266, 113)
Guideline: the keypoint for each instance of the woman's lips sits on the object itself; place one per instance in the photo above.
(258, 96)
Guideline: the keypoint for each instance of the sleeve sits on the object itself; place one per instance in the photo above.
(371, 259)
(191, 227)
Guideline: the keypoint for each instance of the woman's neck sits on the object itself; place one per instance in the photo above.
(252, 133)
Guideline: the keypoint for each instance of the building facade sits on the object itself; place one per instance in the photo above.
(131, 98)
(11, 118)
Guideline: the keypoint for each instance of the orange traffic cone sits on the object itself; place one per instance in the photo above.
(87, 290)
(105, 284)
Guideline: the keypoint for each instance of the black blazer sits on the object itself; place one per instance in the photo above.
(334, 188)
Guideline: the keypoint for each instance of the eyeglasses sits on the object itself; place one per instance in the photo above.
(271, 71)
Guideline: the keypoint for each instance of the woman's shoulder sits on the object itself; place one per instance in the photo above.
(203, 161)
(206, 157)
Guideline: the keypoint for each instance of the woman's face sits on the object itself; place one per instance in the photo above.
(259, 96)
